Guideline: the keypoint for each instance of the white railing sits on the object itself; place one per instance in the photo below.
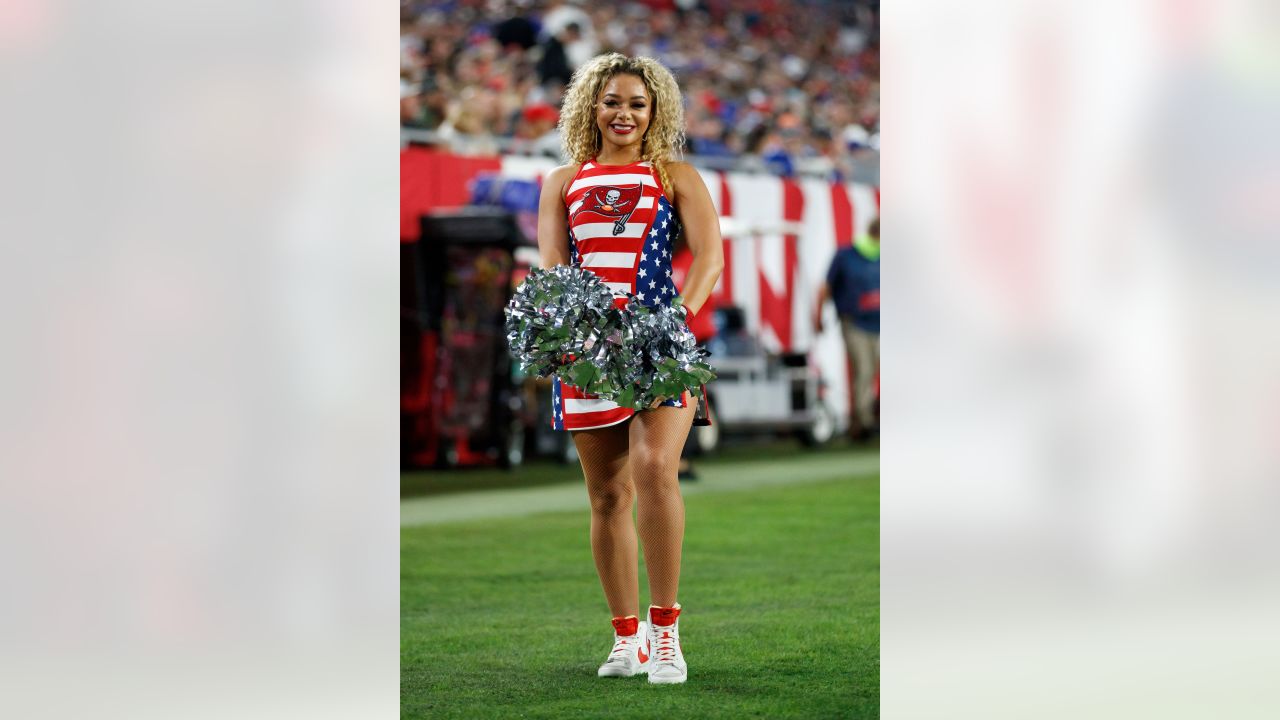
(863, 166)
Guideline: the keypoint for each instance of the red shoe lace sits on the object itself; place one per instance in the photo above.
(622, 646)
(664, 647)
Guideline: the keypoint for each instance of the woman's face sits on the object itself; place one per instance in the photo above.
(622, 111)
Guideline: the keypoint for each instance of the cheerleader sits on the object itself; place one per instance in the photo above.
(617, 210)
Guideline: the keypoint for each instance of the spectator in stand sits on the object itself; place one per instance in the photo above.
(470, 124)
(582, 48)
(518, 32)
(536, 132)
(554, 65)
(410, 101)
(422, 102)
(853, 282)
(706, 138)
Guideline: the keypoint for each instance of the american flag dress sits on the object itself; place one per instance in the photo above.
(622, 228)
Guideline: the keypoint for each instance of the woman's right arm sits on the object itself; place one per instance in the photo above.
(553, 218)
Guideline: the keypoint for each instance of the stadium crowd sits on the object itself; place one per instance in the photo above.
(785, 85)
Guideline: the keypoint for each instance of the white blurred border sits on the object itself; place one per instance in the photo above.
(200, 367)
(1082, 403)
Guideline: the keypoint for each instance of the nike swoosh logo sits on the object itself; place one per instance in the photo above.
(644, 657)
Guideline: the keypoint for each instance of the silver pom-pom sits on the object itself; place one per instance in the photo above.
(664, 357)
(562, 322)
(555, 316)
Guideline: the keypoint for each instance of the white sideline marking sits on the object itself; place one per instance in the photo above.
(518, 502)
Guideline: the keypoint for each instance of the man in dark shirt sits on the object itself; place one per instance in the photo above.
(554, 64)
(853, 282)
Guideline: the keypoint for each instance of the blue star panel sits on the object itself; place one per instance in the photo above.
(557, 407)
(653, 277)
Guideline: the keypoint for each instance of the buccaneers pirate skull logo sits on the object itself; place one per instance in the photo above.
(611, 204)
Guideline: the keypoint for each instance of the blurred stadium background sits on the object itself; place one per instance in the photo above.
(782, 106)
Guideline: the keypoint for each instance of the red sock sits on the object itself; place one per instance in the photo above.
(663, 617)
(626, 626)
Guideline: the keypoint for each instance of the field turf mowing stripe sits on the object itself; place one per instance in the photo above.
(505, 618)
(571, 495)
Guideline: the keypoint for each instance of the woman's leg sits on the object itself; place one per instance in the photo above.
(656, 439)
(603, 453)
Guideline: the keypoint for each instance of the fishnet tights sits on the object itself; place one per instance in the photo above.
(623, 464)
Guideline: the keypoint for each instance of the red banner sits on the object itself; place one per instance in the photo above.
(431, 179)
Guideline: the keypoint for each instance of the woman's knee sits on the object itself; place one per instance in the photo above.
(654, 471)
(611, 499)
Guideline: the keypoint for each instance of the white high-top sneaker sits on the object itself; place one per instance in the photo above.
(666, 661)
(630, 653)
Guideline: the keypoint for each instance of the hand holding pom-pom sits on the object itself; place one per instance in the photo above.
(556, 315)
(664, 355)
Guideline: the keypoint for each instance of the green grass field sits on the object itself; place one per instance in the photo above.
(780, 585)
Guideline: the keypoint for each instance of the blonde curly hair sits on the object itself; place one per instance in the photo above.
(662, 142)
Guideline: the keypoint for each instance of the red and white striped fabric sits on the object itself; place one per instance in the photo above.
(622, 227)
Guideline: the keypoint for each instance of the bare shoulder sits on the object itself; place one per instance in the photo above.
(685, 177)
(564, 172)
(558, 178)
(687, 180)
(682, 169)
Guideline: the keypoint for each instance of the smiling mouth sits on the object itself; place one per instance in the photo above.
(621, 129)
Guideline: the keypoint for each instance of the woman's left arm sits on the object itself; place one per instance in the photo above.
(701, 230)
